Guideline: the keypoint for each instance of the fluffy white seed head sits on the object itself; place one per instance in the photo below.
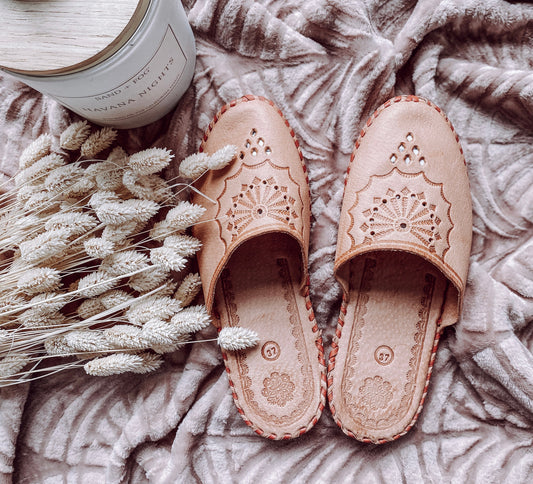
(194, 166)
(149, 280)
(191, 319)
(222, 157)
(90, 307)
(35, 151)
(57, 345)
(114, 364)
(74, 136)
(118, 156)
(115, 298)
(44, 246)
(102, 196)
(236, 338)
(39, 279)
(147, 187)
(98, 141)
(126, 262)
(86, 340)
(77, 223)
(34, 319)
(119, 233)
(110, 178)
(151, 362)
(184, 245)
(117, 213)
(125, 336)
(184, 215)
(98, 247)
(63, 178)
(167, 258)
(150, 161)
(153, 307)
(96, 283)
(40, 169)
(12, 364)
(161, 230)
(160, 333)
(48, 302)
(189, 289)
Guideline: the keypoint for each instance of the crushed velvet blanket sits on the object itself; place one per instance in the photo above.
(327, 64)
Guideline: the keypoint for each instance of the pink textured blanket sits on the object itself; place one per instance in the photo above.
(327, 64)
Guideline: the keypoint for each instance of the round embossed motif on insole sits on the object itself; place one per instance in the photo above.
(270, 351)
(384, 355)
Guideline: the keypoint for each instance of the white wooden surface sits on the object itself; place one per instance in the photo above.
(47, 36)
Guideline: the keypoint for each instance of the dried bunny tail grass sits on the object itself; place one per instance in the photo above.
(43, 202)
(63, 177)
(74, 136)
(184, 245)
(114, 298)
(176, 345)
(157, 332)
(57, 345)
(98, 247)
(118, 156)
(189, 289)
(191, 319)
(147, 187)
(5, 337)
(90, 307)
(119, 233)
(77, 223)
(222, 157)
(149, 280)
(98, 141)
(48, 302)
(153, 307)
(161, 230)
(150, 161)
(168, 288)
(168, 258)
(126, 262)
(102, 196)
(42, 167)
(35, 319)
(39, 279)
(44, 246)
(116, 213)
(35, 151)
(194, 166)
(109, 177)
(118, 363)
(236, 338)
(125, 336)
(184, 215)
(88, 340)
(12, 364)
(96, 283)
(151, 362)
(25, 192)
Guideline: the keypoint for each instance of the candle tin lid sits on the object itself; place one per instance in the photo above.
(63, 36)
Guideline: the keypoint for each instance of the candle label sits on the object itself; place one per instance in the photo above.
(139, 94)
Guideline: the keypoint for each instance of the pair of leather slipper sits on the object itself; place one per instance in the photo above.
(402, 259)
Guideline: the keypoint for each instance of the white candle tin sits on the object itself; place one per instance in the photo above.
(128, 76)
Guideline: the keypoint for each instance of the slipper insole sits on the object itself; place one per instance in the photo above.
(277, 382)
(390, 325)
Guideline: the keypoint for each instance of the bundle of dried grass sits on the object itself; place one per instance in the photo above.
(93, 258)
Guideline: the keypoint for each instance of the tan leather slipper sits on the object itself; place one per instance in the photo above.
(402, 260)
(253, 266)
